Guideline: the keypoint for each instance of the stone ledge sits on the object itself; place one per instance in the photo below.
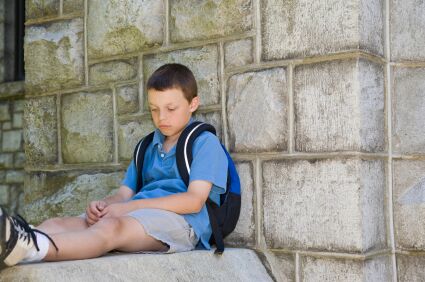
(233, 265)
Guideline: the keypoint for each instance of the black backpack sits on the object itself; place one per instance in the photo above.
(223, 218)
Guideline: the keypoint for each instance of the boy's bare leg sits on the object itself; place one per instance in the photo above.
(63, 224)
(122, 233)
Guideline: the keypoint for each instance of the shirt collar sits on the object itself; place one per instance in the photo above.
(158, 137)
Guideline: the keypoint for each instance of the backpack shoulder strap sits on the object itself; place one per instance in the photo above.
(184, 154)
(139, 157)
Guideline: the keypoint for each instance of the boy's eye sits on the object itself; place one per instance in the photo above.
(171, 109)
(153, 110)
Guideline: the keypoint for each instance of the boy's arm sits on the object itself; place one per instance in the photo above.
(191, 201)
(123, 194)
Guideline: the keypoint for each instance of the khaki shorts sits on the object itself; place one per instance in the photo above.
(167, 227)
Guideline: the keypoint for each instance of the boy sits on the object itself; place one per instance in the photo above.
(165, 216)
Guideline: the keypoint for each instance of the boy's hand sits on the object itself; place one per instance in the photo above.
(115, 210)
(94, 211)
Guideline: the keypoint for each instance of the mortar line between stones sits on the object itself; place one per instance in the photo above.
(141, 85)
(58, 127)
(291, 117)
(223, 94)
(167, 23)
(60, 7)
(115, 123)
(389, 137)
(297, 267)
(86, 60)
(257, 23)
(259, 206)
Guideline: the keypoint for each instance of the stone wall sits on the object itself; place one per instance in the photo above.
(319, 102)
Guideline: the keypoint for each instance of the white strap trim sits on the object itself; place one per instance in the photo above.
(137, 154)
(186, 161)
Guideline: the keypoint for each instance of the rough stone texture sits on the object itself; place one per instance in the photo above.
(282, 265)
(263, 94)
(49, 195)
(244, 233)
(87, 127)
(201, 61)
(19, 160)
(70, 6)
(40, 131)
(4, 111)
(238, 53)
(54, 56)
(6, 160)
(233, 265)
(307, 28)
(4, 194)
(131, 133)
(339, 105)
(127, 99)
(112, 71)
(41, 8)
(117, 27)
(214, 119)
(409, 204)
(7, 125)
(15, 176)
(410, 268)
(191, 20)
(12, 141)
(408, 108)
(324, 269)
(17, 120)
(18, 105)
(332, 205)
(407, 25)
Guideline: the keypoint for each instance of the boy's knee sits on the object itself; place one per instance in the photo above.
(109, 228)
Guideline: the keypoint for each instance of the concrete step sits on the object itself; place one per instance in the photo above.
(234, 265)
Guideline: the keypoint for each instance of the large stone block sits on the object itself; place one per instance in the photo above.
(408, 110)
(54, 56)
(327, 269)
(409, 204)
(103, 73)
(49, 195)
(12, 141)
(282, 265)
(5, 111)
(117, 27)
(213, 118)
(194, 20)
(407, 26)
(203, 62)
(257, 111)
(87, 127)
(331, 205)
(339, 106)
(17, 120)
(41, 8)
(70, 6)
(129, 134)
(4, 194)
(15, 176)
(40, 130)
(199, 265)
(6, 160)
(306, 28)
(238, 53)
(19, 160)
(244, 233)
(127, 99)
(410, 268)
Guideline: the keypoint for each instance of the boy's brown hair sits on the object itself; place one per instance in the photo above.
(174, 76)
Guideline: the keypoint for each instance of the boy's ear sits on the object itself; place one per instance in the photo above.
(193, 106)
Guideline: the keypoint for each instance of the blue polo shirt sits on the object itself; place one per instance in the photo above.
(161, 177)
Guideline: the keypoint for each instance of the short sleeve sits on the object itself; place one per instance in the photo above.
(209, 162)
(130, 177)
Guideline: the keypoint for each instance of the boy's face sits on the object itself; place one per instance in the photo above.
(170, 110)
